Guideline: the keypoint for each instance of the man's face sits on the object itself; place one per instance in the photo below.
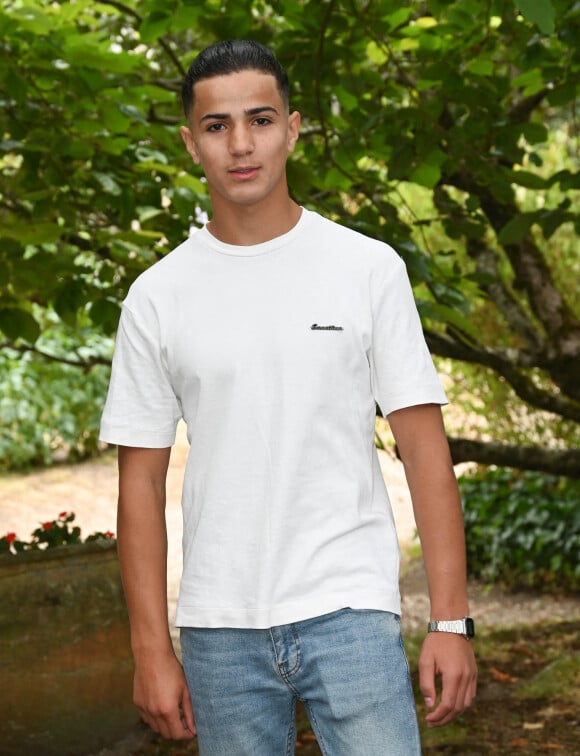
(240, 133)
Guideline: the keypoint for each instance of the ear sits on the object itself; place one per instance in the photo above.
(189, 142)
(293, 130)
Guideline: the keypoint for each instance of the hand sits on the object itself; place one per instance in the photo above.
(161, 694)
(452, 657)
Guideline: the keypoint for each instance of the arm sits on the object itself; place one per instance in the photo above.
(420, 436)
(160, 689)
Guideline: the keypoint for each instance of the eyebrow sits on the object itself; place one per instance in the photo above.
(249, 112)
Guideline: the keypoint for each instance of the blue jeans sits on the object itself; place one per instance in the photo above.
(348, 667)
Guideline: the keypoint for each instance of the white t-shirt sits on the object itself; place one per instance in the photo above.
(274, 355)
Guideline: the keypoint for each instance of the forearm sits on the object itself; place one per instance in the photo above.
(437, 509)
(142, 546)
(420, 435)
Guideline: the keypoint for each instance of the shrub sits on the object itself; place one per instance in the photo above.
(522, 528)
(50, 410)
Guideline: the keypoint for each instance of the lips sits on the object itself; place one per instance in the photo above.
(244, 172)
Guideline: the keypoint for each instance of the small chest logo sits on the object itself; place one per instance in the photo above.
(316, 327)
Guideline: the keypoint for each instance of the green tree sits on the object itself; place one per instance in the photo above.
(444, 127)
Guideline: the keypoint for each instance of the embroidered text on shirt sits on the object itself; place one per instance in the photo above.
(316, 327)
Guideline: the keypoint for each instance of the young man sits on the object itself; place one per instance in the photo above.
(273, 332)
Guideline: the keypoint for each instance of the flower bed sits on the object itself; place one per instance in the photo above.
(66, 663)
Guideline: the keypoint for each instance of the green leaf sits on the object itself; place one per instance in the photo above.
(190, 182)
(132, 112)
(148, 212)
(527, 179)
(16, 86)
(551, 220)
(429, 172)
(376, 54)
(444, 314)
(480, 66)
(32, 233)
(112, 117)
(347, 100)
(516, 228)
(4, 274)
(105, 313)
(16, 323)
(426, 175)
(567, 180)
(398, 18)
(531, 81)
(401, 161)
(154, 26)
(535, 132)
(31, 18)
(107, 183)
(69, 299)
(89, 50)
(539, 12)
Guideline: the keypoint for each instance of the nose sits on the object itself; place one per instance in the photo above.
(241, 140)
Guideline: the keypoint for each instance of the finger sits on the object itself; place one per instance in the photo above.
(179, 728)
(443, 714)
(427, 682)
(471, 690)
(451, 702)
(455, 698)
(172, 727)
(149, 720)
(187, 716)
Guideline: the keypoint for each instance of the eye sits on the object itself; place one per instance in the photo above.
(216, 127)
(262, 121)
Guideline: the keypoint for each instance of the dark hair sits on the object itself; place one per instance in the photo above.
(232, 56)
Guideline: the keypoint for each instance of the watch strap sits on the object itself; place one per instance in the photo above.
(464, 626)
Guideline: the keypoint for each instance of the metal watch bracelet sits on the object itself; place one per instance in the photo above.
(464, 626)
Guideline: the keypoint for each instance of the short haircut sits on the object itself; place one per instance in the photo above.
(232, 56)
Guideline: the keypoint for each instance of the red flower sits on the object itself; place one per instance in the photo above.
(46, 525)
(108, 534)
(10, 537)
(62, 515)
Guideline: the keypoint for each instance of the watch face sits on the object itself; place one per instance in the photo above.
(469, 627)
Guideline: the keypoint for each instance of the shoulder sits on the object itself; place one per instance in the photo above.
(352, 245)
(157, 282)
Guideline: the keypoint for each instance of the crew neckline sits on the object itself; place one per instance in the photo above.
(253, 250)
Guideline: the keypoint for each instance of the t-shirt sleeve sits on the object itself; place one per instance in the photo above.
(402, 370)
(141, 407)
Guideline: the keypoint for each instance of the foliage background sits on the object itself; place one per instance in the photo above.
(448, 128)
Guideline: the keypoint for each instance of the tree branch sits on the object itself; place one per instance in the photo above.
(525, 388)
(84, 365)
(152, 117)
(554, 461)
(522, 110)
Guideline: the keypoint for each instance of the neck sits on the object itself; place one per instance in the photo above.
(246, 225)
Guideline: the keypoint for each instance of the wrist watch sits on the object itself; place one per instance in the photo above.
(465, 627)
